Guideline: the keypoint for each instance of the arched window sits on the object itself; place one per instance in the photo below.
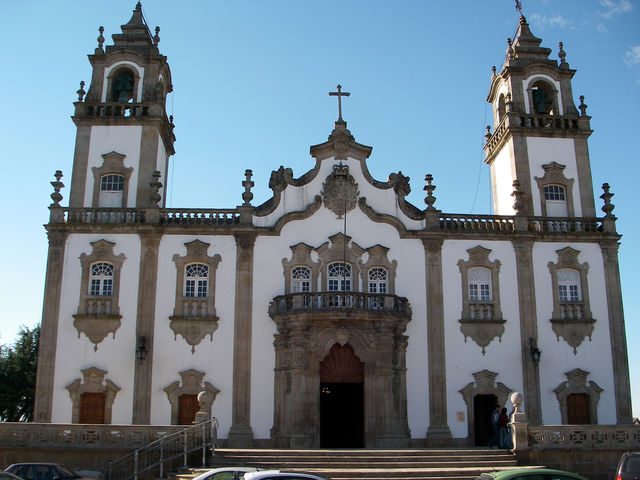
(300, 279)
(555, 198)
(569, 285)
(101, 279)
(122, 89)
(111, 191)
(339, 276)
(196, 280)
(378, 280)
(479, 281)
(542, 96)
(501, 109)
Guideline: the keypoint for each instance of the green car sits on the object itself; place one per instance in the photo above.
(530, 474)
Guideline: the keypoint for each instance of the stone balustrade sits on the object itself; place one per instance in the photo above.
(195, 307)
(99, 305)
(114, 109)
(565, 225)
(56, 435)
(191, 216)
(483, 223)
(330, 301)
(571, 310)
(583, 436)
(481, 310)
(96, 216)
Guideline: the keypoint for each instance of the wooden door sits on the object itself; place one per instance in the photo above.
(92, 407)
(188, 406)
(578, 412)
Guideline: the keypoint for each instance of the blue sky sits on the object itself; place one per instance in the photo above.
(250, 91)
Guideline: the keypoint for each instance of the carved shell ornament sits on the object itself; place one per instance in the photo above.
(340, 191)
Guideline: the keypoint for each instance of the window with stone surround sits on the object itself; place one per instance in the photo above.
(111, 182)
(555, 190)
(300, 279)
(339, 277)
(182, 396)
(98, 312)
(194, 314)
(571, 318)
(378, 280)
(481, 316)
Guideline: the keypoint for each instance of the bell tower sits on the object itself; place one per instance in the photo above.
(123, 133)
(539, 136)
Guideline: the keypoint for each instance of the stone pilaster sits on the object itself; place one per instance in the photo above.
(528, 328)
(145, 324)
(49, 327)
(617, 332)
(240, 434)
(438, 431)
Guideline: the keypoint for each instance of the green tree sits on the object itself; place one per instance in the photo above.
(18, 376)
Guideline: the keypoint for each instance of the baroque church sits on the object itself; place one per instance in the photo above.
(406, 329)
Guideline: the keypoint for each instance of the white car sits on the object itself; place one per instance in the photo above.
(226, 473)
(279, 475)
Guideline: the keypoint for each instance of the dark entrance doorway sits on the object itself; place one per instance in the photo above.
(341, 399)
(483, 407)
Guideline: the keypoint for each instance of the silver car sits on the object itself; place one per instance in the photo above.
(280, 475)
(226, 473)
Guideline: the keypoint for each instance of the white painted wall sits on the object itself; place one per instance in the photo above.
(115, 355)
(546, 150)
(464, 359)
(503, 173)
(106, 139)
(557, 355)
(213, 357)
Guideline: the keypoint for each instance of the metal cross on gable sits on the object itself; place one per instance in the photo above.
(339, 94)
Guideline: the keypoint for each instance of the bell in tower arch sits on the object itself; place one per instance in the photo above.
(123, 87)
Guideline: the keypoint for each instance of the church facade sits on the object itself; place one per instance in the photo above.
(337, 313)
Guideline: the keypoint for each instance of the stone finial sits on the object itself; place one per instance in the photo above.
(56, 196)
(508, 103)
(608, 207)
(582, 107)
(81, 93)
(247, 196)
(561, 54)
(493, 70)
(510, 51)
(171, 122)
(518, 203)
(429, 188)
(156, 37)
(487, 135)
(155, 187)
(100, 38)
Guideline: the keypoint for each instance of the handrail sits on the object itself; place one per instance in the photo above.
(167, 448)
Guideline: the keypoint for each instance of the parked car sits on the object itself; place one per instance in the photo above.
(43, 471)
(628, 466)
(530, 474)
(226, 473)
(9, 476)
(279, 475)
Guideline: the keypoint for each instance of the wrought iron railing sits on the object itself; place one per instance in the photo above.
(200, 437)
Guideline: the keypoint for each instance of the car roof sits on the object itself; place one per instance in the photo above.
(213, 471)
(505, 474)
(278, 473)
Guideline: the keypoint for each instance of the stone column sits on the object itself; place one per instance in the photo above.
(145, 323)
(240, 434)
(617, 332)
(49, 326)
(528, 327)
(438, 431)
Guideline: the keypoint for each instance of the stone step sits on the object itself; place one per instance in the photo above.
(334, 464)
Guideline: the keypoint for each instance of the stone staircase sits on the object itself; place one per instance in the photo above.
(450, 464)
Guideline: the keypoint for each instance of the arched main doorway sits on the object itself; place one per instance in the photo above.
(341, 399)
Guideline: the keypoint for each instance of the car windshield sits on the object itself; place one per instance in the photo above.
(632, 465)
(66, 473)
